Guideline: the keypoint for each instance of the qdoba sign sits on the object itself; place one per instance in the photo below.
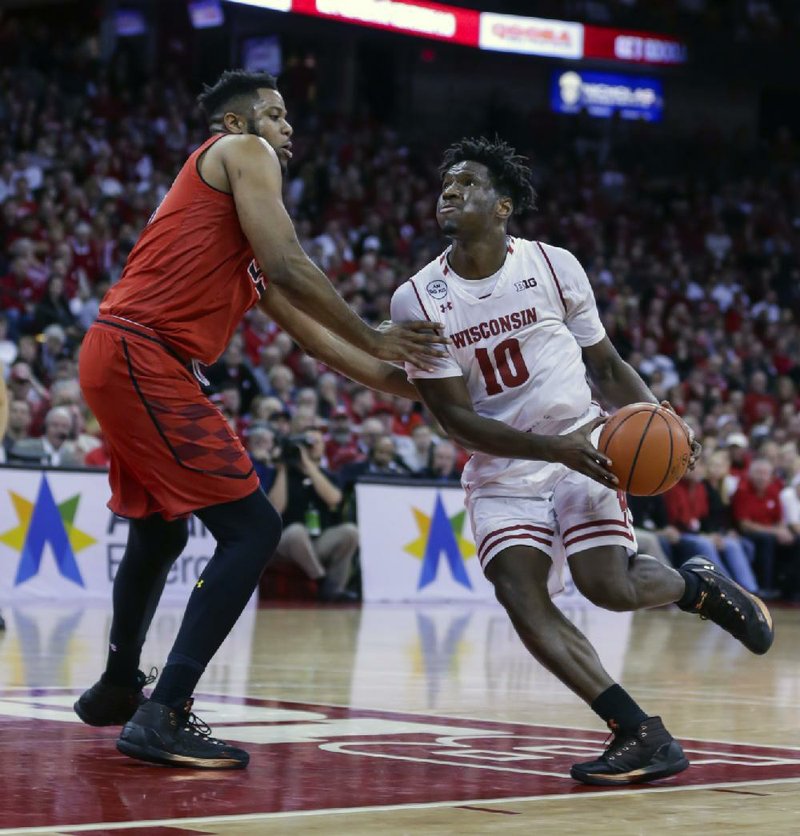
(530, 35)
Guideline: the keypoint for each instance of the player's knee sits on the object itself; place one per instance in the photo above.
(519, 599)
(174, 540)
(266, 530)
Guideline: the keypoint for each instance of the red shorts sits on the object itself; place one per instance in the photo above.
(171, 449)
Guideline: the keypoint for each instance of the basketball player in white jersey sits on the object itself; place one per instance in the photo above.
(524, 332)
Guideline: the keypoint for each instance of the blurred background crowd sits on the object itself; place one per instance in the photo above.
(690, 243)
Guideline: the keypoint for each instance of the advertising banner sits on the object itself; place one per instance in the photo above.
(635, 47)
(411, 17)
(530, 35)
(605, 94)
(58, 540)
(416, 545)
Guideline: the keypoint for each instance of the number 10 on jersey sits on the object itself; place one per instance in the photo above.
(504, 360)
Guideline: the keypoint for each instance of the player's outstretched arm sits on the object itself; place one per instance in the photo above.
(255, 179)
(449, 400)
(319, 342)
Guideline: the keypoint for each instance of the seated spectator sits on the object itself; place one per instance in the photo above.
(405, 416)
(54, 348)
(20, 418)
(281, 383)
(271, 474)
(24, 386)
(381, 461)
(739, 454)
(53, 449)
(54, 308)
(233, 368)
(417, 454)
(442, 467)
(720, 522)
(687, 505)
(8, 348)
(314, 536)
(758, 513)
(341, 445)
(269, 356)
(650, 520)
(758, 402)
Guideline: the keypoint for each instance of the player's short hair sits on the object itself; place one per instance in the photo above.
(509, 172)
(230, 86)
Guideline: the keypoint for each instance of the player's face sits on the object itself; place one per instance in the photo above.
(268, 120)
(467, 204)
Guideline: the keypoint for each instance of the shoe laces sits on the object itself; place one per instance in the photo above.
(730, 616)
(619, 742)
(192, 724)
(151, 677)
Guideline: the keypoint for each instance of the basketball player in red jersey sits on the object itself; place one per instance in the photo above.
(513, 388)
(219, 243)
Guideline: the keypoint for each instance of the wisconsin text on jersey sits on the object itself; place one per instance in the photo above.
(494, 327)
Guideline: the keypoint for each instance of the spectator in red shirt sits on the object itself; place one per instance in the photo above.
(341, 446)
(758, 403)
(758, 513)
(405, 417)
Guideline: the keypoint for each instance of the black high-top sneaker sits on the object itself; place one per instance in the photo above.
(112, 705)
(744, 615)
(176, 737)
(646, 754)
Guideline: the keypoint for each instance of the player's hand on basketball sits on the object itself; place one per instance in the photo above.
(418, 343)
(576, 451)
(694, 445)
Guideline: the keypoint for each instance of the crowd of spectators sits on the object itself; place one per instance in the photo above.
(693, 260)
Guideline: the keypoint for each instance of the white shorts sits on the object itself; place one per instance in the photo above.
(575, 514)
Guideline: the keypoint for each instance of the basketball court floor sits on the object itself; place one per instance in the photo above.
(391, 719)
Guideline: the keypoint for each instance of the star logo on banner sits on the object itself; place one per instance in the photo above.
(41, 523)
(440, 535)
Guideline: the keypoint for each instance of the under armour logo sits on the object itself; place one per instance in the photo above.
(199, 584)
(447, 306)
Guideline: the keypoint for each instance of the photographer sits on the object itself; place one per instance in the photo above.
(313, 535)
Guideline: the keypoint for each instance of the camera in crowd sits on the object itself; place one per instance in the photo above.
(288, 449)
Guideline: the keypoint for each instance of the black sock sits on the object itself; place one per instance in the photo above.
(176, 683)
(618, 709)
(690, 595)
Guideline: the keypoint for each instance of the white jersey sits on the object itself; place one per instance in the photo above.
(516, 340)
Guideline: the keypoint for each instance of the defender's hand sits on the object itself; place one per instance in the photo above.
(694, 445)
(415, 342)
(576, 451)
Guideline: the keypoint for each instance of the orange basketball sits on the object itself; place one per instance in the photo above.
(648, 446)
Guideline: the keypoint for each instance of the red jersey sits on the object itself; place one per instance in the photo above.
(764, 509)
(192, 275)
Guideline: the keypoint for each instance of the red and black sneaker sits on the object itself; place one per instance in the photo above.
(105, 704)
(648, 753)
(744, 615)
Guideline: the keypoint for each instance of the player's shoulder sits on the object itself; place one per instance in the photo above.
(556, 255)
(432, 271)
(241, 147)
